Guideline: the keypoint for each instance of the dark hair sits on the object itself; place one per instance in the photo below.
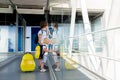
(43, 24)
(56, 25)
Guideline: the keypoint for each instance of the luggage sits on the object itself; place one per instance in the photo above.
(69, 65)
(27, 63)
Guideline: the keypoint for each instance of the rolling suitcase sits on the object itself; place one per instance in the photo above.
(69, 66)
(27, 62)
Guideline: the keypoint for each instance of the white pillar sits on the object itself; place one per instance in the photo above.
(87, 25)
(89, 37)
(72, 25)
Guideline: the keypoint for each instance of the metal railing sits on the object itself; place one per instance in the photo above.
(103, 62)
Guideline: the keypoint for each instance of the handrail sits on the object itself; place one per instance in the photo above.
(8, 60)
(109, 58)
(103, 30)
(96, 56)
(103, 77)
(99, 64)
(99, 76)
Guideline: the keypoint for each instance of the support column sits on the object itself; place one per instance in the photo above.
(24, 35)
(72, 25)
(87, 26)
(47, 11)
(89, 37)
(16, 36)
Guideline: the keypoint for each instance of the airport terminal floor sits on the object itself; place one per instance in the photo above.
(11, 70)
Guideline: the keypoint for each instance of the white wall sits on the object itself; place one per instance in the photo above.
(3, 38)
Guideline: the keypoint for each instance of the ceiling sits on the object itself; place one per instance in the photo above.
(38, 6)
(33, 4)
(34, 9)
(4, 3)
(30, 3)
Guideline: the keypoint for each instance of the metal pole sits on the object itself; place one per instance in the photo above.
(24, 34)
(46, 15)
(16, 48)
(47, 11)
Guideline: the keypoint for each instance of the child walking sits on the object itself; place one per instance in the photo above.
(43, 41)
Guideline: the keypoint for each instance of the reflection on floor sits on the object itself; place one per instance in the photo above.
(12, 72)
(70, 74)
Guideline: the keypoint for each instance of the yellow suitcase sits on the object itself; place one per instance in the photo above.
(27, 63)
(69, 66)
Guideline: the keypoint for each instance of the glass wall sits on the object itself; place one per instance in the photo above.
(21, 33)
(11, 30)
(7, 27)
(80, 43)
(98, 38)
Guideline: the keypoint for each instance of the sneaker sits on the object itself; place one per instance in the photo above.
(42, 70)
(57, 69)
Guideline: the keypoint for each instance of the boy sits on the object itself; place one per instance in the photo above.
(43, 41)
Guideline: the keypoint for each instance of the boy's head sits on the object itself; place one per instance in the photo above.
(43, 24)
(55, 25)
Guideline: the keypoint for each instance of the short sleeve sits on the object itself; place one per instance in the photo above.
(40, 32)
(45, 47)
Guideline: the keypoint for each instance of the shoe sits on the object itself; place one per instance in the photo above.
(57, 69)
(42, 70)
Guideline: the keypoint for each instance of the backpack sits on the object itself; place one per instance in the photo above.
(38, 50)
(36, 38)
